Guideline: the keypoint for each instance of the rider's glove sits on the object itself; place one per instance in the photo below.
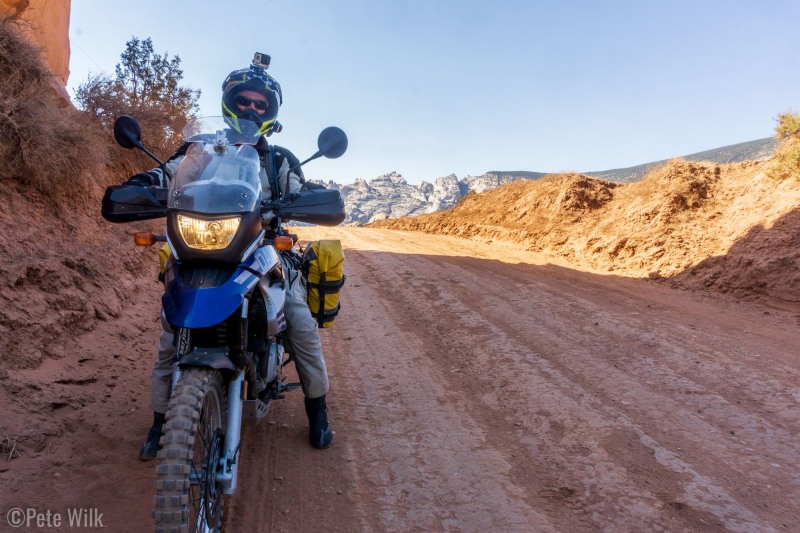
(152, 178)
(141, 179)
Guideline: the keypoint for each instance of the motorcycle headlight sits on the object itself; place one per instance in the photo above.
(208, 234)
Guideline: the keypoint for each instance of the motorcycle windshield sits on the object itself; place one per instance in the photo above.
(216, 175)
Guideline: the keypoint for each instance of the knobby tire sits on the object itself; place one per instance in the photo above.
(191, 439)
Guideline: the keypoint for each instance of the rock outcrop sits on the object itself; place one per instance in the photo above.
(391, 196)
(387, 196)
(46, 24)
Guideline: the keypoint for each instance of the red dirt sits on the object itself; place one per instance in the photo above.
(729, 228)
(618, 358)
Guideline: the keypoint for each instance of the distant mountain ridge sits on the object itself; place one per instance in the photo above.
(391, 196)
(734, 153)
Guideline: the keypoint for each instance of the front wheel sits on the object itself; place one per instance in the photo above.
(188, 497)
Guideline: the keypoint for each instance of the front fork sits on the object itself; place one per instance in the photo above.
(228, 466)
(228, 463)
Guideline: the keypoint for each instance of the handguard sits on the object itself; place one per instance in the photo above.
(130, 202)
(324, 207)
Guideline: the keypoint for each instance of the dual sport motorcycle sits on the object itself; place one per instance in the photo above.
(224, 294)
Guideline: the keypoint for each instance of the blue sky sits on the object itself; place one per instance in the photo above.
(430, 88)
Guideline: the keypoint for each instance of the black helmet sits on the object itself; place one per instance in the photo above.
(251, 79)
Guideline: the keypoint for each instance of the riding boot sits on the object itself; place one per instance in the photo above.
(319, 430)
(151, 446)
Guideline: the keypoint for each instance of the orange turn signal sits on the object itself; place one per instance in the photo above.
(283, 242)
(144, 238)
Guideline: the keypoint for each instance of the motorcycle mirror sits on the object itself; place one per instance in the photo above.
(129, 135)
(332, 142)
(127, 132)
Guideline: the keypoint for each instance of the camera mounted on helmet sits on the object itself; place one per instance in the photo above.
(261, 61)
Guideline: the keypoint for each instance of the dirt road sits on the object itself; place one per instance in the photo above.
(479, 388)
(476, 388)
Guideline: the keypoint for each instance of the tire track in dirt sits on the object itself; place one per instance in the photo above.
(423, 461)
(546, 484)
(548, 341)
(284, 484)
(663, 393)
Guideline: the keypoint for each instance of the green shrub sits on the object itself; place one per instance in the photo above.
(146, 86)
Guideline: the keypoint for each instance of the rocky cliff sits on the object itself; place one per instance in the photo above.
(46, 24)
(391, 196)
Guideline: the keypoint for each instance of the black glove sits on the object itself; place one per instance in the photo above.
(270, 206)
(141, 179)
(311, 186)
(156, 177)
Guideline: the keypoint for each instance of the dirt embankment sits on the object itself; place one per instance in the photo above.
(729, 228)
(64, 269)
(68, 280)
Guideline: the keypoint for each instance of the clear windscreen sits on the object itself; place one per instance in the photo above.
(215, 177)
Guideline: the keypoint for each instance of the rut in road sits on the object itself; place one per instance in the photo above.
(484, 394)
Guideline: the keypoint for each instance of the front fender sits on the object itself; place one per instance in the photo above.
(210, 301)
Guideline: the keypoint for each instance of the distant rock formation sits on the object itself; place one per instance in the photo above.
(390, 196)
(46, 24)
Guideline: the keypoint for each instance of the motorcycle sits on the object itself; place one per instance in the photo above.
(224, 295)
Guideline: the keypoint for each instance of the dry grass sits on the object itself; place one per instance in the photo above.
(786, 162)
(8, 447)
(788, 126)
(44, 142)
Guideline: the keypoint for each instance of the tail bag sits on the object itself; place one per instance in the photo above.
(323, 268)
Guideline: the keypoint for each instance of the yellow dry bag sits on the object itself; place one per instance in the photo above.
(323, 268)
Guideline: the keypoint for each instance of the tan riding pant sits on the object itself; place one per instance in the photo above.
(302, 337)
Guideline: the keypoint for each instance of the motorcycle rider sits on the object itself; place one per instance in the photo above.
(255, 96)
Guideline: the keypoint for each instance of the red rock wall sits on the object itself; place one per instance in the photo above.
(46, 23)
